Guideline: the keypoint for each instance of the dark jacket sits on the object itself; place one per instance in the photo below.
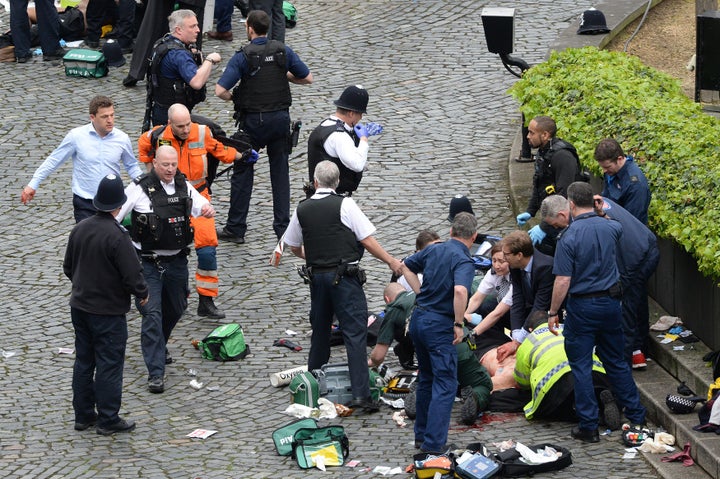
(103, 266)
(538, 296)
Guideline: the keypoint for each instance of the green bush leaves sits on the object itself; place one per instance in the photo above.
(594, 94)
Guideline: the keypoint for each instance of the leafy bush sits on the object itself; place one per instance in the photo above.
(594, 94)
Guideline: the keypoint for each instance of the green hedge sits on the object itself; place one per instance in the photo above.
(594, 94)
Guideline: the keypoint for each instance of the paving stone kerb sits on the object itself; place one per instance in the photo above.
(448, 129)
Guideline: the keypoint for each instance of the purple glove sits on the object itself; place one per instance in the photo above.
(361, 130)
(374, 128)
(252, 157)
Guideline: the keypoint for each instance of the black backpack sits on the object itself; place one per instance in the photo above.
(514, 466)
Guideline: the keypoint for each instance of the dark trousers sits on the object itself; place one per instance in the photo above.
(123, 13)
(48, 27)
(274, 9)
(558, 404)
(347, 301)
(98, 371)
(223, 15)
(635, 311)
(82, 208)
(168, 288)
(271, 130)
(597, 322)
(433, 336)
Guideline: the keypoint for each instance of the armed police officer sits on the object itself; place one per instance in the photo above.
(193, 143)
(556, 164)
(264, 69)
(162, 203)
(342, 139)
(178, 71)
(329, 231)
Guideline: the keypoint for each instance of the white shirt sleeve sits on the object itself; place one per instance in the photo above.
(293, 233)
(341, 145)
(355, 219)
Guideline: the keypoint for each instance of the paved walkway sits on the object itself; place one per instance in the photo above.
(449, 126)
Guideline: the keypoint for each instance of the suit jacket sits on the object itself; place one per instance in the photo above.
(538, 296)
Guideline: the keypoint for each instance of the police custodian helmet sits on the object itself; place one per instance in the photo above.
(110, 194)
(353, 98)
(592, 22)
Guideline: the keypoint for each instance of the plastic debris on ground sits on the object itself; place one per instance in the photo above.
(399, 418)
(195, 384)
(7, 354)
(60, 351)
(665, 323)
(325, 410)
(539, 456)
(394, 403)
(201, 433)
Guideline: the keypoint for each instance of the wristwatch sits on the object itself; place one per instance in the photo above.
(551, 314)
(459, 325)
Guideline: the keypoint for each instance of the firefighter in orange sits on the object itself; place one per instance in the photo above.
(193, 142)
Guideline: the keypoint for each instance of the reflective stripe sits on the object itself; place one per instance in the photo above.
(204, 272)
(200, 144)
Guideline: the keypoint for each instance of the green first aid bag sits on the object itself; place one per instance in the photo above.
(225, 343)
(283, 436)
(80, 62)
(304, 389)
(328, 446)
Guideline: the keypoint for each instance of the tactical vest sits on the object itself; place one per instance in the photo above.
(349, 179)
(168, 225)
(328, 242)
(265, 87)
(165, 91)
(544, 175)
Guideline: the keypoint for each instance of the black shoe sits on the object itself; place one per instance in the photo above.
(81, 426)
(129, 81)
(121, 426)
(585, 435)
(609, 410)
(225, 235)
(366, 404)
(168, 358)
(156, 384)
(418, 444)
(24, 59)
(524, 159)
(469, 410)
(207, 308)
(410, 405)
(55, 56)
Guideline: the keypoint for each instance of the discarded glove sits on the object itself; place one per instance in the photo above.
(684, 389)
(537, 234)
(374, 128)
(288, 344)
(523, 218)
(683, 456)
(361, 130)
(252, 157)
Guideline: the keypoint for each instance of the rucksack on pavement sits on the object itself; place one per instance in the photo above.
(225, 343)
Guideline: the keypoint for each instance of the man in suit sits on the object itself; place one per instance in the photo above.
(532, 281)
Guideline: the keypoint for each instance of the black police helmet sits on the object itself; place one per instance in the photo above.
(113, 53)
(459, 204)
(354, 98)
(110, 194)
(592, 22)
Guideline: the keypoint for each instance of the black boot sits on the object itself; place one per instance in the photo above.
(207, 308)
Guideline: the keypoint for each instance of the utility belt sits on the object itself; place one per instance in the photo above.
(614, 292)
(342, 270)
(151, 256)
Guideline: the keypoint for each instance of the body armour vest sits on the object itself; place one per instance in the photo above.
(168, 225)
(349, 179)
(328, 242)
(265, 87)
(544, 175)
(165, 91)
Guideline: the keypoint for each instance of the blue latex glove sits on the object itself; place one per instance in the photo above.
(537, 234)
(476, 319)
(252, 157)
(361, 130)
(523, 218)
(374, 128)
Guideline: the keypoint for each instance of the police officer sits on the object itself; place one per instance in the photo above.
(624, 182)
(586, 273)
(178, 72)
(638, 256)
(264, 69)
(193, 143)
(556, 164)
(329, 232)
(342, 139)
(162, 203)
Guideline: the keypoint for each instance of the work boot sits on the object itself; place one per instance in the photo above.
(469, 410)
(207, 308)
(609, 410)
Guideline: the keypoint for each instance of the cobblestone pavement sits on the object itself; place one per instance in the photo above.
(448, 129)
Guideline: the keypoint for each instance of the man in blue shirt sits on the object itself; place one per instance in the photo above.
(437, 325)
(624, 183)
(264, 69)
(586, 273)
(96, 149)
